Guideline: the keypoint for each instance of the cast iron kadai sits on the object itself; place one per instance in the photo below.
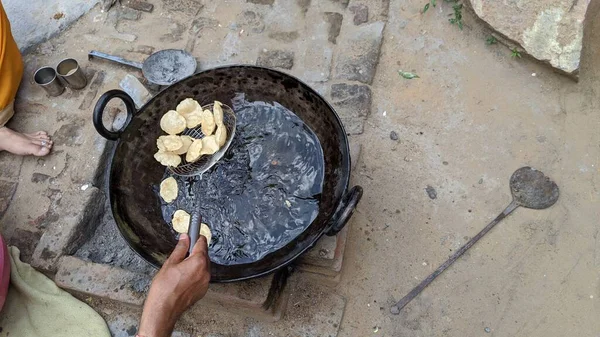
(133, 171)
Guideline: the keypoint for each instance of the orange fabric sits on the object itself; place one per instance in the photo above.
(11, 64)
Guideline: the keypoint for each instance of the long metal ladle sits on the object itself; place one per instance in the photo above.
(530, 188)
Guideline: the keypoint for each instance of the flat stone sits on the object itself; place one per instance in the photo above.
(175, 32)
(138, 92)
(261, 2)
(351, 100)
(314, 310)
(361, 13)
(104, 281)
(353, 126)
(202, 23)
(39, 178)
(126, 325)
(262, 298)
(344, 3)
(317, 63)
(191, 7)
(123, 36)
(10, 166)
(90, 95)
(358, 53)
(327, 256)
(70, 134)
(7, 190)
(335, 25)
(142, 49)
(303, 4)
(250, 21)
(130, 14)
(26, 241)
(550, 31)
(286, 37)
(79, 213)
(139, 5)
(276, 59)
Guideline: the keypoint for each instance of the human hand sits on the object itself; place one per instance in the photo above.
(180, 283)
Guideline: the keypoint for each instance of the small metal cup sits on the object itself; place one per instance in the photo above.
(69, 71)
(46, 78)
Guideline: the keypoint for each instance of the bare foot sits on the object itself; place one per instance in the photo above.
(37, 144)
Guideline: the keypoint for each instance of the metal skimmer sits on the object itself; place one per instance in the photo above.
(207, 161)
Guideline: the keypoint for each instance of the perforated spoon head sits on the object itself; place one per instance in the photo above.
(532, 189)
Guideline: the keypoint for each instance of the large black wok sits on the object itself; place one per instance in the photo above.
(134, 172)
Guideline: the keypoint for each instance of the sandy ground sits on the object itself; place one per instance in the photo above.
(473, 117)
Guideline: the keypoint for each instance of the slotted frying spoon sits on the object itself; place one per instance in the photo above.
(204, 163)
(530, 188)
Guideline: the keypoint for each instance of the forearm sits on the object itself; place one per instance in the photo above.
(157, 320)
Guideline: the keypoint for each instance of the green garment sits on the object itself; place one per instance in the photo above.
(36, 307)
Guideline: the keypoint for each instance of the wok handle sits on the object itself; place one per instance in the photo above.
(347, 207)
(99, 112)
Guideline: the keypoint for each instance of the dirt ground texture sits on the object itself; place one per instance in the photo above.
(474, 115)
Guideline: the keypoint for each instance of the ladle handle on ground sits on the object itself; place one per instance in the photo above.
(395, 309)
(116, 59)
(194, 230)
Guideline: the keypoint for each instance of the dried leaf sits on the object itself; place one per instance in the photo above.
(408, 75)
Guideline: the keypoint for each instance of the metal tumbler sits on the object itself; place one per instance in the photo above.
(69, 71)
(46, 78)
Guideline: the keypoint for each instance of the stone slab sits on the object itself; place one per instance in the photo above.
(335, 25)
(327, 256)
(139, 5)
(317, 63)
(550, 31)
(275, 59)
(262, 298)
(361, 13)
(312, 310)
(79, 214)
(104, 281)
(126, 325)
(358, 52)
(7, 190)
(352, 102)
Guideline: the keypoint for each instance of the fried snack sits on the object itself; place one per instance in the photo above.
(218, 113)
(191, 110)
(195, 151)
(194, 118)
(167, 158)
(187, 142)
(221, 135)
(209, 145)
(205, 231)
(208, 123)
(169, 143)
(187, 106)
(160, 145)
(172, 123)
(181, 221)
(168, 189)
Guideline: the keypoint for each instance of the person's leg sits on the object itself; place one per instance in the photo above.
(37, 144)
